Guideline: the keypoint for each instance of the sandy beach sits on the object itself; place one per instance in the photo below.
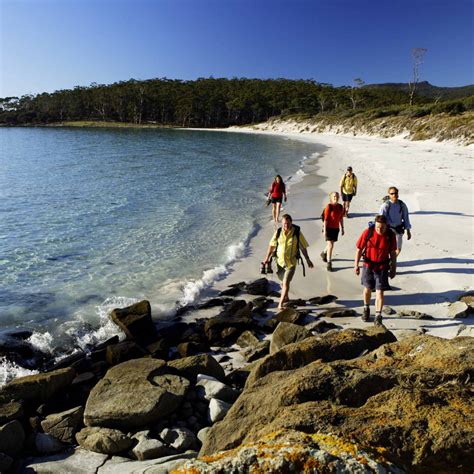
(434, 267)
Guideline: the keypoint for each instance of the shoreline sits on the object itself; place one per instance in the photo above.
(430, 275)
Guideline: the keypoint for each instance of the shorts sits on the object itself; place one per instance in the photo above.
(275, 200)
(332, 234)
(347, 197)
(285, 274)
(399, 238)
(375, 280)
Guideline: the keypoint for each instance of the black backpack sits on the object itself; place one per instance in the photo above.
(296, 231)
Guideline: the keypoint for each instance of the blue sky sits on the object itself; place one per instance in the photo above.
(46, 45)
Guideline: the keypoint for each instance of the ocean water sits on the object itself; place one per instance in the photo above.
(94, 219)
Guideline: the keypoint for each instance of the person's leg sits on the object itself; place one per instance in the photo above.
(367, 296)
(379, 299)
(274, 205)
(278, 207)
(399, 243)
(329, 249)
(285, 289)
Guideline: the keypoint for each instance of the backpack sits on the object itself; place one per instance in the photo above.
(363, 255)
(296, 231)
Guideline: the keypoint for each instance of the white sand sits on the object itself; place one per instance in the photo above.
(435, 266)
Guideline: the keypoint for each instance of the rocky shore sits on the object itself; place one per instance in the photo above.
(247, 390)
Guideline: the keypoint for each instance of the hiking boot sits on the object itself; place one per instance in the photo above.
(366, 315)
(324, 256)
(378, 320)
(329, 267)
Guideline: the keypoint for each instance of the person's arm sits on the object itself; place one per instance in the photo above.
(355, 185)
(325, 213)
(393, 264)
(341, 185)
(270, 251)
(306, 256)
(356, 261)
(342, 224)
(383, 211)
(406, 220)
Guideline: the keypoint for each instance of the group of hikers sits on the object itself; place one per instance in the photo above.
(378, 246)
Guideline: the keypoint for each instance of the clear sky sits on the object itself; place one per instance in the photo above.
(48, 45)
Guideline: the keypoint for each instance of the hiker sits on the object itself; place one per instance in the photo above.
(276, 193)
(396, 212)
(287, 241)
(333, 218)
(348, 188)
(377, 245)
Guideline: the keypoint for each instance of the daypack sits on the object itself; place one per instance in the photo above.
(296, 232)
(391, 235)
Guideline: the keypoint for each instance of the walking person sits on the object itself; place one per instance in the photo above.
(348, 188)
(377, 245)
(333, 219)
(398, 219)
(287, 241)
(276, 193)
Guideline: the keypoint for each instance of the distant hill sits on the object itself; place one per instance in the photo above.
(425, 89)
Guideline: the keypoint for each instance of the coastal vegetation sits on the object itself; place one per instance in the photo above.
(216, 102)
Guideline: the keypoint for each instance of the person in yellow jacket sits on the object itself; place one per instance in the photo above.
(348, 187)
(285, 240)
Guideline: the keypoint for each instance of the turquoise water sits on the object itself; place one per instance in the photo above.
(92, 219)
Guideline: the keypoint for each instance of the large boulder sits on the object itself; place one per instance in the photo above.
(133, 394)
(149, 448)
(190, 367)
(294, 451)
(410, 400)
(287, 333)
(38, 387)
(103, 440)
(459, 309)
(230, 323)
(135, 321)
(12, 437)
(64, 425)
(258, 287)
(78, 462)
(10, 411)
(346, 344)
(118, 465)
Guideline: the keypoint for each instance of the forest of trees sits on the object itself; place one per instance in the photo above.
(210, 102)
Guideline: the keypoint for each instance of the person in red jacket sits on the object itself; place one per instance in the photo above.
(277, 192)
(333, 219)
(378, 246)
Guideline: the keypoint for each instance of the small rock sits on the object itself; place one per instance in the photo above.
(257, 352)
(217, 409)
(209, 387)
(258, 287)
(47, 444)
(202, 434)
(415, 314)
(149, 448)
(10, 411)
(123, 351)
(322, 327)
(247, 339)
(231, 291)
(464, 331)
(63, 425)
(388, 310)
(459, 309)
(326, 299)
(103, 440)
(180, 439)
(338, 313)
(213, 302)
(289, 315)
(287, 333)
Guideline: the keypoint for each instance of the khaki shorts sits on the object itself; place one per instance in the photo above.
(284, 274)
